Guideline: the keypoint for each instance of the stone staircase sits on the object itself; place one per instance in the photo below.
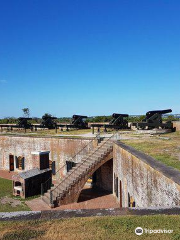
(67, 190)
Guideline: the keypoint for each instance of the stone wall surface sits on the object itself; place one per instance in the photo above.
(61, 149)
(104, 176)
(144, 179)
(176, 124)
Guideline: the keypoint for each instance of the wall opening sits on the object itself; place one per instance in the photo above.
(44, 161)
(52, 166)
(20, 163)
(99, 184)
(131, 201)
(70, 165)
(11, 162)
(120, 193)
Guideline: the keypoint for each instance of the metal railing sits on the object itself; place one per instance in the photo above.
(115, 137)
(76, 159)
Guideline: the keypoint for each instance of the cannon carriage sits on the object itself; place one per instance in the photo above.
(77, 122)
(119, 121)
(23, 123)
(48, 122)
(154, 120)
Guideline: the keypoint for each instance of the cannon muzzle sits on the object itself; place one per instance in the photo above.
(78, 116)
(159, 111)
(116, 115)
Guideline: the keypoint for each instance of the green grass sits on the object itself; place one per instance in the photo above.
(46, 132)
(168, 160)
(165, 149)
(6, 191)
(25, 234)
(150, 149)
(95, 228)
(6, 188)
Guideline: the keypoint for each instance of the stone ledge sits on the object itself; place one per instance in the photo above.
(49, 136)
(63, 214)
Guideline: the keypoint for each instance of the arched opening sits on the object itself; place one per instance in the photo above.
(99, 187)
(17, 183)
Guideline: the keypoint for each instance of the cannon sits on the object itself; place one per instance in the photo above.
(77, 122)
(48, 122)
(119, 121)
(153, 120)
(22, 123)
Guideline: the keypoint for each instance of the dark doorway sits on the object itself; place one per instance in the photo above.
(116, 187)
(120, 191)
(103, 176)
(100, 184)
(44, 161)
(11, 163)
(70, 165)
(128, 200)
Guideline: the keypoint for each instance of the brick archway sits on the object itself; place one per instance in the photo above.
(73, 196)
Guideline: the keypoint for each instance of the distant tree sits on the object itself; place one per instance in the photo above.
(8, 120)
(26, 112)
(170, 118)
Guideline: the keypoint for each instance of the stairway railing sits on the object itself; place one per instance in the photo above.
(115, 136)
(48, 184)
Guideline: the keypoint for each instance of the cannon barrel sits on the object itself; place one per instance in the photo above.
(77, 116)
(23, 118)
(159, 111)
(49, 117)
(116, 115)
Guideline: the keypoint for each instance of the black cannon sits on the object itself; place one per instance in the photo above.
(119, 121)
(48, 122)
(77, 122)
(22, 123)
(153, 120)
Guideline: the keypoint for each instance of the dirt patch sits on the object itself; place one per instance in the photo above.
(11, 201)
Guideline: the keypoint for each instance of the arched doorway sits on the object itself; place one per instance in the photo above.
(97, 192)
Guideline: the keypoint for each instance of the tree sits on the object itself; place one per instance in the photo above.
(26, 112)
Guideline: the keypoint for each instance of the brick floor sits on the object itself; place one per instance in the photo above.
(89, 199)
(6, 174)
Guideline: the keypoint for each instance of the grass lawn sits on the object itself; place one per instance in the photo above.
(164, 148)
(6, 191)
(103, 228)
(50, 132)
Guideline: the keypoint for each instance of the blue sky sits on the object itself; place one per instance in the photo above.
(90, 57)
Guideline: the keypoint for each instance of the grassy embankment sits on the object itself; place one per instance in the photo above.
(164, 148)
(46, 132)
(103, 228)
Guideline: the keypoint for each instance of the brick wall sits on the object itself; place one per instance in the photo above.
(104, 176)
(177, 125)
(144, 179)
(61, 149)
